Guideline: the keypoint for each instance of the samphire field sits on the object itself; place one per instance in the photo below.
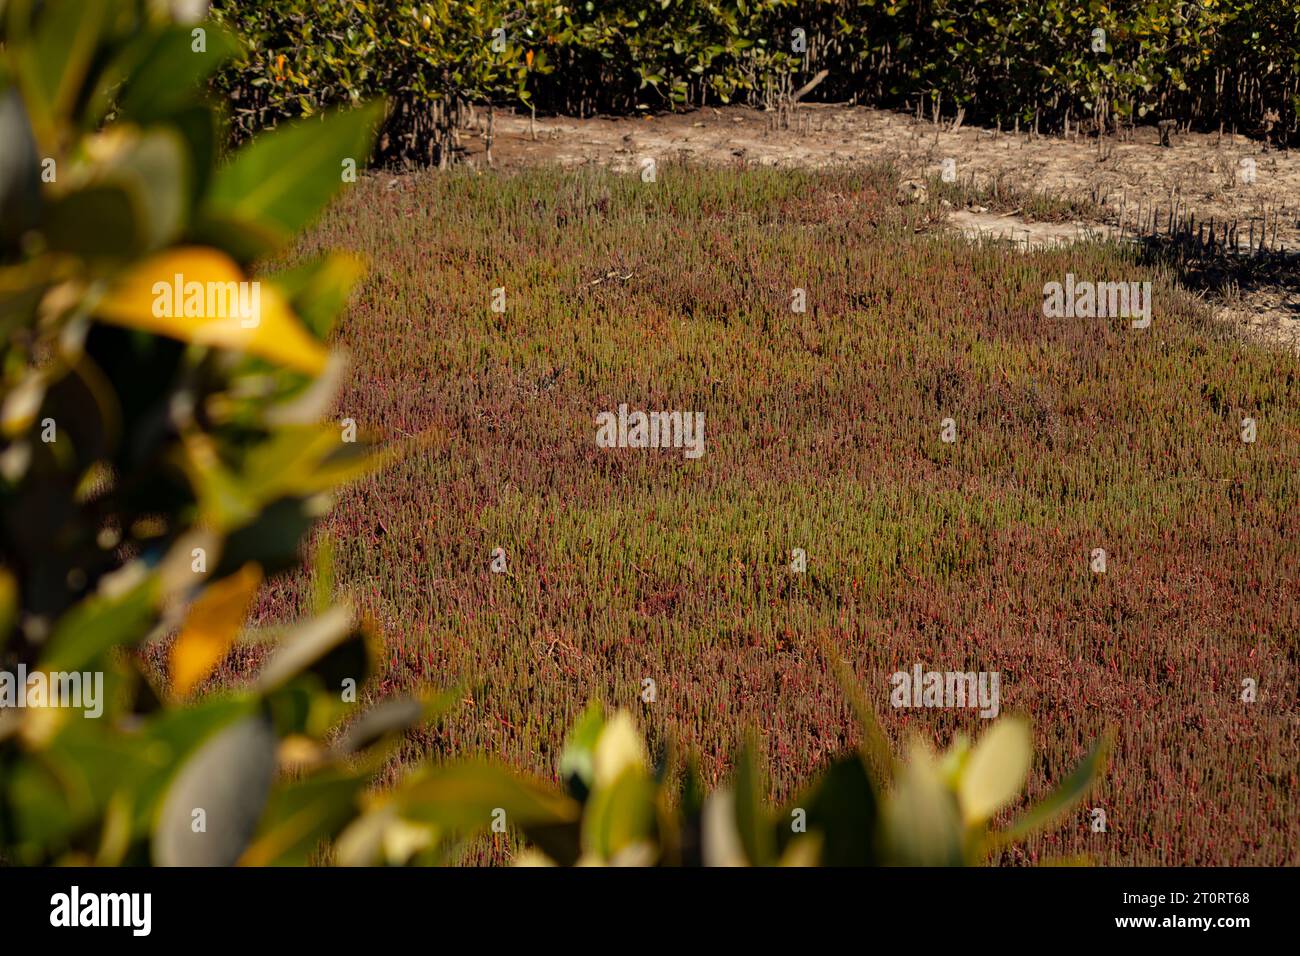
(823, 433)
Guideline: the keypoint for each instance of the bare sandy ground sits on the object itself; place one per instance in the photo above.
(1206, 174)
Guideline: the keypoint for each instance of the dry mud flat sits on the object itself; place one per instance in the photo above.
(1201, 174)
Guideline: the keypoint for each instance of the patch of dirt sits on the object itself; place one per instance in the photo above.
(1271, 313)
(1025, 233)
(1124, 177)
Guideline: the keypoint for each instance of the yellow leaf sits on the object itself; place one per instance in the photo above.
(20, 406)
(211, 627)
(996, 769)
(200, 295)
(619, 747)
(920, 816)
(8, 603)
(403, 839)
(720, 841)
(532, 858)
(299, 752)
(803, 851)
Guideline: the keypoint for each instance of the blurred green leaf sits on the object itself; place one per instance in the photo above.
(151, 168)
(171, 736)
(875, 745)
(843, 806)
(53, 65)
(20, 173)
(8, 605)
(921, 820)
(462, 798)
(228, 779)
(1059, 801)
(329, 643)
(319, 290)
(302, 814)
(164, 73)
(277, 184)
(577, 763)
(103, 621)
(388, 718)
(619, 814)
(751, 820)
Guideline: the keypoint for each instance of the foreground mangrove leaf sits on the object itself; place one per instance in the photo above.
(147, 296)
(1059, 801)
(996, 769)
(213, 806)
(210, 629)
